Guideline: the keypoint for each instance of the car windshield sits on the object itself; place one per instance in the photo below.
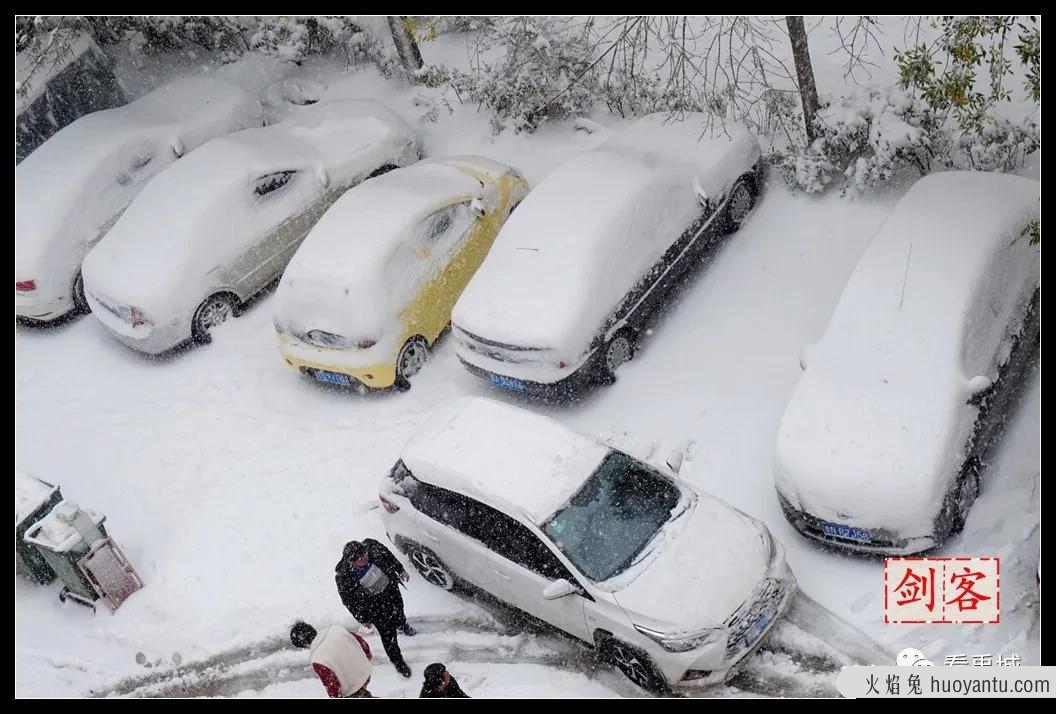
(608, 522)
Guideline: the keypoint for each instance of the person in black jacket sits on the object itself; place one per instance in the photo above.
(368, 578)
(439, 684)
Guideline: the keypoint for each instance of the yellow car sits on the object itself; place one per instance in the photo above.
(372, 286)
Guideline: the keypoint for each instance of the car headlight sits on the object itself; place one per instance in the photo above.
(685, 642)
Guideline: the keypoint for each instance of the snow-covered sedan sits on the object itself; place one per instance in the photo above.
(219, 226)
(591, 254)
(372, 287)
(673, 586)
(933, 339)
(71, 190)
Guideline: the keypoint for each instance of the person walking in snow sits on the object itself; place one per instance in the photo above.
(368, 578)
(439, 684)
(340, 658)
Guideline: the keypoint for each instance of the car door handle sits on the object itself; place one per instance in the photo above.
(502, 575)
(430, 536)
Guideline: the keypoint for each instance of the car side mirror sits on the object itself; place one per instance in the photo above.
(324, 177)
(558, 589)
(178, 148)
(477, 206)
(979, 386)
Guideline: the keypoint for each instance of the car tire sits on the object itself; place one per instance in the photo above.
(430, 567)
(80, 302)
(618, 350)
(413, 356)
(214, 311)
(740, 203)
(634, 664)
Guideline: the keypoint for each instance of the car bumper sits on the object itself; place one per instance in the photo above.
(42, 308)
(148, 339)
(881, 541)
(565, 388)
(310, 361)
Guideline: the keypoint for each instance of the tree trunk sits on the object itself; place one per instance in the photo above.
(808, 92)
(406, 46)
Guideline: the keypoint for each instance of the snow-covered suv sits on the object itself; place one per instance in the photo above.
(933, 340)
(673, 586)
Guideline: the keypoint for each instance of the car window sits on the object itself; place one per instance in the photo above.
(442, 233)
(494, 529)
(999, 303)
(613, 516)
(513, 541)
(138, 161)
(267, 185)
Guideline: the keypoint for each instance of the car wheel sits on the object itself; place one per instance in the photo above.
(965, 495)
(634, 664)
(214, 311)
(431, 568)
(620, 349)
(740, 204)
(410, 361)
(80, 303)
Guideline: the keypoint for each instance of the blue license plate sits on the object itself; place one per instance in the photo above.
(507, 382)
(332, 378)
(837, 530)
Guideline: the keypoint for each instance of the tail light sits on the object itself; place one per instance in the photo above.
(25, 286)
(562, 364)
(388, 505)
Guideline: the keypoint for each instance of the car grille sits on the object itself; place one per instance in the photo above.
(764, 602)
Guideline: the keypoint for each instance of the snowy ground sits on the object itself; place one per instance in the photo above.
(231, 483)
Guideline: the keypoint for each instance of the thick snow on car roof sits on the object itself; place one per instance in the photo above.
(574, 246)
(873, 417)
(209, 195)
(65, 169)
(340, 279)
(502, 455)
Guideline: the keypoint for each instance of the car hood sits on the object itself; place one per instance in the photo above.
(704, 565)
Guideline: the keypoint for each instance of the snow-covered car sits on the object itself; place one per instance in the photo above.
(372, 286)
(71, 190)
(221, 225)
(935, 335)
(590, 255)
(673, 586)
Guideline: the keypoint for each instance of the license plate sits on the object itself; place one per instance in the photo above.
(507, 382)
(837, 530)
(332, 378)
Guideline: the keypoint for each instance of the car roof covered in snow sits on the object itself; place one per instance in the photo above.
(75, 163)
(575, 245)
(877, 402)
(340, 278)
(208, 196)
(507, 457)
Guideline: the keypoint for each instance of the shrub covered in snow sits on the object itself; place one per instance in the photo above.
(528, 70)
(876, 134)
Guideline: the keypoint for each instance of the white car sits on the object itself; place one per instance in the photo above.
(673, 586)
(933, 339)
(579, 270)
(221, 225)
(71, 190)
